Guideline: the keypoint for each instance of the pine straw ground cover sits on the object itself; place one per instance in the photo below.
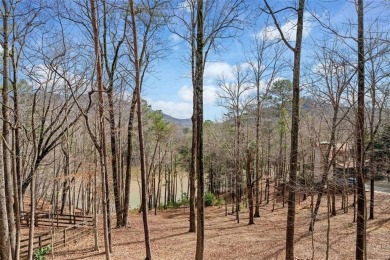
(225, 239)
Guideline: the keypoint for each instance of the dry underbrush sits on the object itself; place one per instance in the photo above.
(225, 239)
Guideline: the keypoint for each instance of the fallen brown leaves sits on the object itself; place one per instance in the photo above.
(225, 239)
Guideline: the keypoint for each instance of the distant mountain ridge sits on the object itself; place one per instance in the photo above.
(180, 122)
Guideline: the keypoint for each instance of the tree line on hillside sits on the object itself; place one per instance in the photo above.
(302, 119)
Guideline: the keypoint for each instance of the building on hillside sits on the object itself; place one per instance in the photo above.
(341, 163)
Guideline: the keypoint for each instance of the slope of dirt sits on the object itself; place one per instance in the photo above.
(225, 239)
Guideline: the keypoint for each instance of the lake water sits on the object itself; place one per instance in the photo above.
(135, 198)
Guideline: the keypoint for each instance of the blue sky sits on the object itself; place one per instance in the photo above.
(171, 90)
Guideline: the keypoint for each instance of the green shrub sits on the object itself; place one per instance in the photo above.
(219, 202)
(209, 199)
(184, 201)
(136, 209)
(40, 254)
(173, 205)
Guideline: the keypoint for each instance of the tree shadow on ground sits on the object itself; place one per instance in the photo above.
(377, 225)
(89, 253)
(280, 247)
(152, 239)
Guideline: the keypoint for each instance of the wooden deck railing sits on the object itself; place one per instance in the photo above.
(73, 227)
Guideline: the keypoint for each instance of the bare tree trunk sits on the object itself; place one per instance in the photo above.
(232, 188)
(16, 154)
(107, 194)
(115, 156)
(294, 126)
(6, 141)
(95, 205)
(258, 193)
(333, 202)
(238, 169)
(140, 133)
(267, 187)
(15, 173)
(372, 197)
(294, 138)
(114, 160)
(328, 220)
(158, 193)
(32, 186)
(17, 198)
(226, 195)
(325, 170)
(372, 166)
(130, 128)
(5, 249)
(361, 197)
(32, 218)
(193, 169)
(198, 88)
(249, 187)
(66, 184)
(102, 148)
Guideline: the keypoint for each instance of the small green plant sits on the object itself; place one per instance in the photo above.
(40, 254)
(209, 199)
(173, 205)
(136, 209)
(219, 202)
(185, 201)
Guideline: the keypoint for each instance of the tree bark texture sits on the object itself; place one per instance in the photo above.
(140, 134)
(257, 160)
(192, 177)
(198, 88)
(5, 245)
(102, 148)
(249, 186)
(361, 199)
(294, 138)
(6, 140)
(130, 128)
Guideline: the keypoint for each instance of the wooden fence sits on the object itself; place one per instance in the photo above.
(56, 220)
(72, 228)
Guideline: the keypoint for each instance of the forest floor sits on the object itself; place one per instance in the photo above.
(225, 239)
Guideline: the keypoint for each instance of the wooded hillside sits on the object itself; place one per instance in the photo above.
(289, 126)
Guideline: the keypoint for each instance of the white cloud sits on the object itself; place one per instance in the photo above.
(175, 38)
(217, 68)
(182, 107)
(289, 30)
(43, 76)
(209, 94)
(181, 110)
(185, 93)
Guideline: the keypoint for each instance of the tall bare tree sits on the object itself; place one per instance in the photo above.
(361, 196)
(377, 68)
(152, 16)
(330, 80)
(102, 145)
(219, 20)
(235, 95)
(6, 130)
(295, 119)
(140, 132)
(263, 59)
(198, 121)
(113, 38)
